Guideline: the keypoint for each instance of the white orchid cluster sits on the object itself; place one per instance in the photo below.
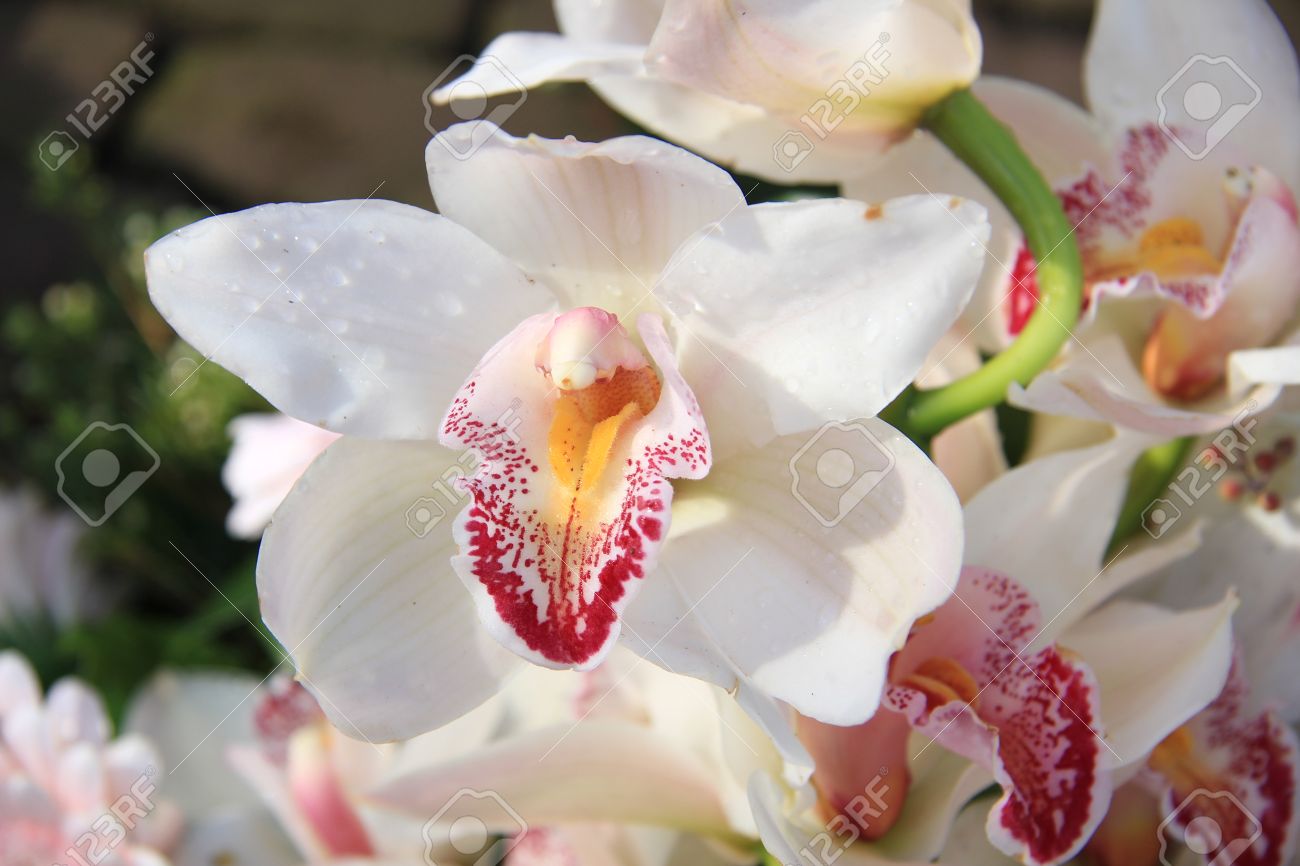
(602, 533)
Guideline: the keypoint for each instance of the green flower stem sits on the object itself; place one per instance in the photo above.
(1150, 475)
(989, 149)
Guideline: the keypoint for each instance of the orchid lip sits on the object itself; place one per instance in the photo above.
(568, 513)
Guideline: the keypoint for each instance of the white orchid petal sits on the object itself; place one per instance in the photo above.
(612, 771)
(356, 582)
(1277, 365)
(1143, 56)
(514, 62)
(795, 313)
(756, 586)
(785, 58)
(1101, 383)
(356, 316)
(740, 136)
(1016, 523)
(596, 222)
(1157, 668)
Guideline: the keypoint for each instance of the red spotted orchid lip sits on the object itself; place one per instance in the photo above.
(569, 509)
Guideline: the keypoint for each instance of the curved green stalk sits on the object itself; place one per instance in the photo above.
(989, 149)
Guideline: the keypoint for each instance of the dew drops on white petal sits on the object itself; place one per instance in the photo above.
(448, 304)
(336, 277)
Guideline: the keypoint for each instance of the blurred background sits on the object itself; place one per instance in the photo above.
(223, 105)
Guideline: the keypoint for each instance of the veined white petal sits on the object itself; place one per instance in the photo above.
(356, 583)
(784, 58)
(1016, 524)
(1157, 668)
(595, 222)
(361, 317)
(802, 593)
(795, 314)
(612, 771)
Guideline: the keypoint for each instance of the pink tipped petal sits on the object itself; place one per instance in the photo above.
(594, 222)
(316, 788)
(1031, 719)
(74, 712)
(18, 684)
(1238, 774)
(269, 454)
(356, 316)
(571, 502)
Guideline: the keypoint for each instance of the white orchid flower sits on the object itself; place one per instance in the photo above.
(270, 453)
(1035, 683)
(1187, 225)
(789, 92)
(68, 791)
(367, 317)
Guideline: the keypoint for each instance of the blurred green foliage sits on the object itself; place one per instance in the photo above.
(94, 350)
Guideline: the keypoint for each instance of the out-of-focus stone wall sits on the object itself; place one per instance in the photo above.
(258, 100)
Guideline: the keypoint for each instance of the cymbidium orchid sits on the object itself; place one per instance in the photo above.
(599, 324)
(1189, 236)
(1032, 681)
(786, 92)
(68, 792)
